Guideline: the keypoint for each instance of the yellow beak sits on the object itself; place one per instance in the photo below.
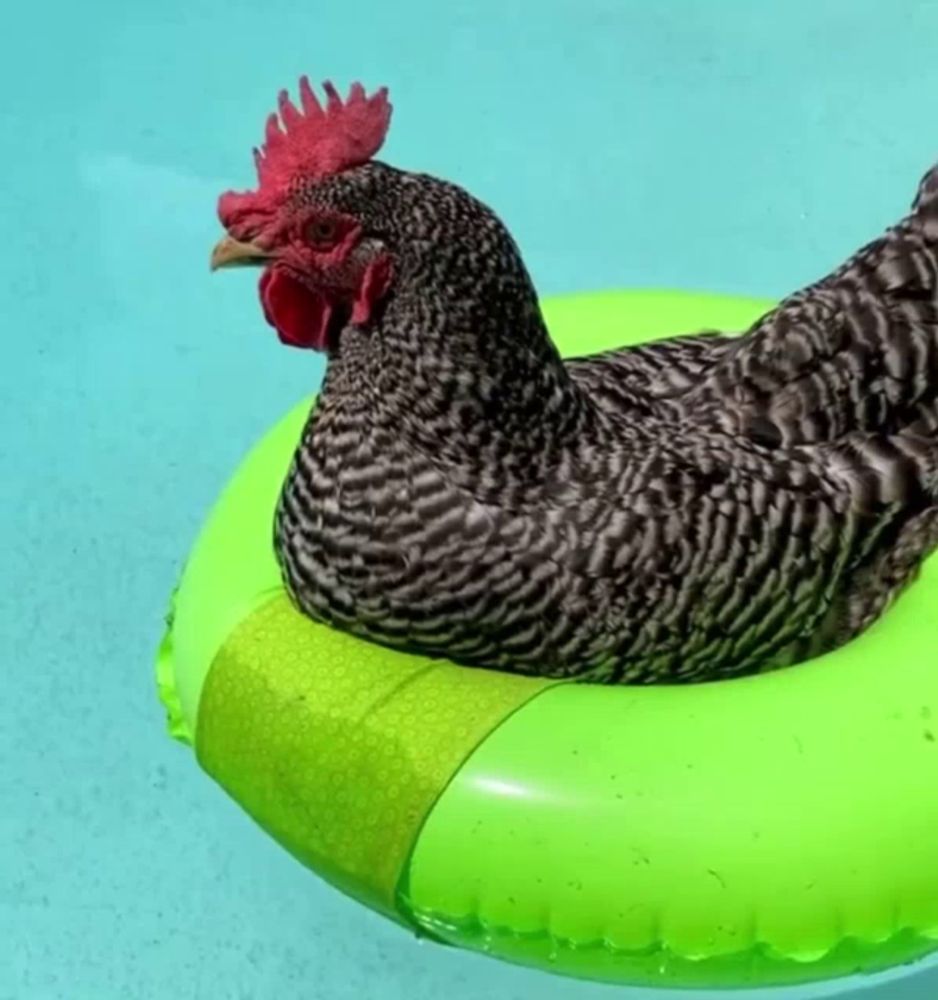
(230, 252)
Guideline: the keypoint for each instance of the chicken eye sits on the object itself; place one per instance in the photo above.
(321, 232)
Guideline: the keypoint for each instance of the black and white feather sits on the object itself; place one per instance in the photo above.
(695, 508)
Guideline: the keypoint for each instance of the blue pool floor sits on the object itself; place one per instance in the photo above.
(729, 146)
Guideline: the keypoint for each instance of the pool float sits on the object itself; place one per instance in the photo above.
(764, 830)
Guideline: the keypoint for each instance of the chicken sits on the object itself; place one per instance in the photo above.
(701, 507)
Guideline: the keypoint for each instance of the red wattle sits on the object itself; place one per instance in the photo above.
(298, 314)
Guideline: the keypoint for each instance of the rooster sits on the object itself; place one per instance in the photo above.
(701, 507)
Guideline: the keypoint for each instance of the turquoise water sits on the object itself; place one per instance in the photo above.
(724, 145)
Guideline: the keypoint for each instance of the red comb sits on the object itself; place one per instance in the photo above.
(313, 140)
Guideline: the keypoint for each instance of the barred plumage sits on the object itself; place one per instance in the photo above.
(699, 507)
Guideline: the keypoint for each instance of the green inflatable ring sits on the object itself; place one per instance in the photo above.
(773, 829)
